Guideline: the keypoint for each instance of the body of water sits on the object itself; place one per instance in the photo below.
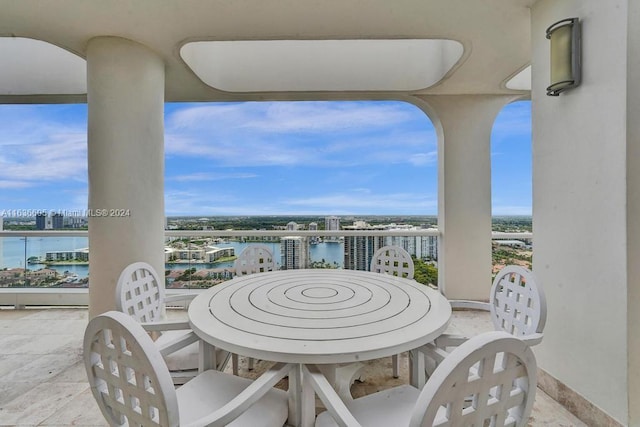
(15, 251)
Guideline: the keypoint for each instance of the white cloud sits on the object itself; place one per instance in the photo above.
(205, 176)
(39, 147)
(423, 159)
(286, 117)
(62, 157)
(14, 184)
(362, 201)
(513, 120)
(324, 117)
(327, 134)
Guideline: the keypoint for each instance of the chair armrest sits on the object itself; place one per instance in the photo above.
(178, 298)
(433, 352)
(533, 339)
(450, 340)
(473, 305)
(176, 342)
(335, 406)
(165, 325)
(250, 395)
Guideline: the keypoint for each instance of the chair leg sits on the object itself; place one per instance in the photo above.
(234, 364)
(345, 376)
(250, 364)
(395, 363)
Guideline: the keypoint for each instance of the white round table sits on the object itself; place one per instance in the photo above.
(319, 316)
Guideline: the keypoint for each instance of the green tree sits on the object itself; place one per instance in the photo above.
(425, 273)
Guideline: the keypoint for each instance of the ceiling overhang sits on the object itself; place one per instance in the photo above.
(34, 67)
(321, 65)
(257, 50)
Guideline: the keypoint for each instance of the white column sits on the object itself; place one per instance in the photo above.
(464, 126)
(126, 163)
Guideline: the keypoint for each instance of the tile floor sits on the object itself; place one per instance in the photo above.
(43, 382)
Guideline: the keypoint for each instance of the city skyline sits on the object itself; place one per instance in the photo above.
(266, 158)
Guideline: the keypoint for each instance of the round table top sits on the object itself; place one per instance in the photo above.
(319, 315)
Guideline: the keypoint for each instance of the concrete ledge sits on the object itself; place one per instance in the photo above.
(575, 402)
(22, 297)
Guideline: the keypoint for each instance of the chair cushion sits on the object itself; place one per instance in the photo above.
(392, 407)
(213, 389)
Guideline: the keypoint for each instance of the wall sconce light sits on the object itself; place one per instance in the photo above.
(565, 55)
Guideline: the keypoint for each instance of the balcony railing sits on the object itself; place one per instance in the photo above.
(52, 267)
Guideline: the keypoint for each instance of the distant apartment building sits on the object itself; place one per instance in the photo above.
(43, 273)
(57, 221)
(49, 222)
(294, 253)
(75, 221)
(313, 226)
(332, 223)
(213, 253)
(81, 255)
(41, 221)
(359, 250)
(422, 247)
(292, 226)
(209, 254)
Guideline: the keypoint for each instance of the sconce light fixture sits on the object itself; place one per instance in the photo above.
(565, 55)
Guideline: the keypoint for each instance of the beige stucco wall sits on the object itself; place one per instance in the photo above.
(579, 205)
(633, 210)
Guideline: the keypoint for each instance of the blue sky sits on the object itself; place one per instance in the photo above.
(266, 158)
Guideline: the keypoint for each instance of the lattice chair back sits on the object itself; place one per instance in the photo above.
(254, 259)
(127, 374)
(140, 293)
(392, 260)
(518, 303)
(488, 380)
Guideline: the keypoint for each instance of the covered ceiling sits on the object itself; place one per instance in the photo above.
(273, 49)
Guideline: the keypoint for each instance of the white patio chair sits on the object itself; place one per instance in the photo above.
(396, 261)
(488, 380)
(133, 387)
(254, 259)
(392, 260)
(140, 294)
(517, 305)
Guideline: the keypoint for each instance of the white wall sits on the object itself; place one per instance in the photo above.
(579, 205)
(633, 209)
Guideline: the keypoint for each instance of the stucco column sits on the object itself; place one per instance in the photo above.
(464, 124)
(633, 211)
(126, 163)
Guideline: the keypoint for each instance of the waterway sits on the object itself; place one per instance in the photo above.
(15, 251)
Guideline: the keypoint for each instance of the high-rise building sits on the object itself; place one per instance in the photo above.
(313, 226)
(359, 250)
(332, 223)
(294, 252)
(41, 221)
(57, 221)
(422, 247)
